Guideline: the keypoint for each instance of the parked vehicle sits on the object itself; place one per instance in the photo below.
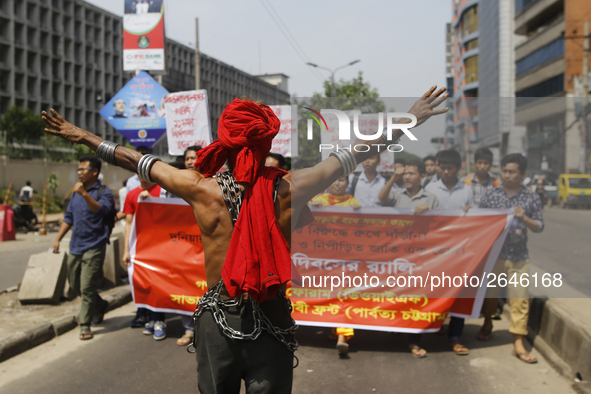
(574, 190)
(24, 217)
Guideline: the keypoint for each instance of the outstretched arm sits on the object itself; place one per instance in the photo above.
(308, 182)
(182, 183)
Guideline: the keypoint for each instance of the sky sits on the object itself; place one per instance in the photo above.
(400, 43)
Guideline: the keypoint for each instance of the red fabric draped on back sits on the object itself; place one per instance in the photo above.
(258, 259)
(245, 133)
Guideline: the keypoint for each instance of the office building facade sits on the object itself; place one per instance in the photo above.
(66, 54)
(548, 62)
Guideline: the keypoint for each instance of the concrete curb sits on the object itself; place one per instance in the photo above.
(561, 336)
(41, 333)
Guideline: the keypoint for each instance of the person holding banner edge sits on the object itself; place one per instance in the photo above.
(264, 364)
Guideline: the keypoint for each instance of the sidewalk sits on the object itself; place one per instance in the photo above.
(23, 327)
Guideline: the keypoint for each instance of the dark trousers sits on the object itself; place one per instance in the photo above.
(265, 364)
(455, 329)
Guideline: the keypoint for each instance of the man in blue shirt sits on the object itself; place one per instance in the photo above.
(452, 194)
(86, 213)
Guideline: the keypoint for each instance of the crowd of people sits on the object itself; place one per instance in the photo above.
(433, 183)
(261, 360)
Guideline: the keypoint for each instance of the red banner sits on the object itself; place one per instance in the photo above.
(374, 254)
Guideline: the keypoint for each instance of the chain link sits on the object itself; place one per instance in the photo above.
(212, 301)
(231, 193)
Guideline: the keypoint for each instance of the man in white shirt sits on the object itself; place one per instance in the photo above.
(452, 194)
(366, 186)
(27, 189)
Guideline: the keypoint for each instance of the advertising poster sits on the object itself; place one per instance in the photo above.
(137, 110)
(288, 132)
(143, 36)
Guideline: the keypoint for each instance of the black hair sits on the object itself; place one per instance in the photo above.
(28, 183)
(515, 158)
(280, 159)
(449, 157)
(430, 157)
(93, 160)
(484, 154)
(419, 164)
(400, 161)
(194, 148)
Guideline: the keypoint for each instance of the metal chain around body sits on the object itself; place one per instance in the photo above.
(211, 300)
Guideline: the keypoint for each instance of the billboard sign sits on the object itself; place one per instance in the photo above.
(144, 41)
(137, 110)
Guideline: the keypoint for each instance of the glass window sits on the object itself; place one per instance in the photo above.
(580, 183)
(541, 56)
(470, 21)
(472, 44)
(521, 4)
(547, 88)
(472, 69)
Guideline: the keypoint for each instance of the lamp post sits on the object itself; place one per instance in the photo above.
(333, 71)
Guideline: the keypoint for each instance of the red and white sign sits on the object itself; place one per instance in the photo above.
(168, 273)
(286, 141)
(144, 41)
(187, 121)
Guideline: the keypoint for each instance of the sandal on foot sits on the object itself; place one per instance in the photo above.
(185, 340)
(484, 335)
(525, 360)
(100, 316)
(416, 351)
(459, 349)
(85, 334)
(343, 348)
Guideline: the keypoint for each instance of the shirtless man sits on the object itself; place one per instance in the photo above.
(268, 370)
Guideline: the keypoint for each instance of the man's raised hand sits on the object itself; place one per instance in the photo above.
(62, 128)
(424, 108)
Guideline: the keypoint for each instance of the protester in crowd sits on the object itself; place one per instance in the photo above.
(399, 165)
(452, 194)
(153, 322)
(514, 256)
(87, 212)
(134, 181)
(190, 156)
(245, 132)
(26, 190)
(365, 186)
(414, 197)
(336, 196)
(481, 181)
(275, 160)
(431, 170)
(188, 324)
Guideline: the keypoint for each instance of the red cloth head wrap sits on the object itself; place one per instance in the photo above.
(245, 133)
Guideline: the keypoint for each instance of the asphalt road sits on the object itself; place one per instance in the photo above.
(122, 360)
(564, 246)
(14, 256)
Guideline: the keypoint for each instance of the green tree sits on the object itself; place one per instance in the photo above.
(348, 95)
(19, 125)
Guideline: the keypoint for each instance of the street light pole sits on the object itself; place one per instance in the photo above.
(332, 73)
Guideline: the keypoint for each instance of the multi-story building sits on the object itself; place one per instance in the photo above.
(449, 80)
(66, 54)
(465, 35)
(547, 63)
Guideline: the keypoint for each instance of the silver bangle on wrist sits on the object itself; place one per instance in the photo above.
(106, 151)
(144, 166)
(347, 160)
